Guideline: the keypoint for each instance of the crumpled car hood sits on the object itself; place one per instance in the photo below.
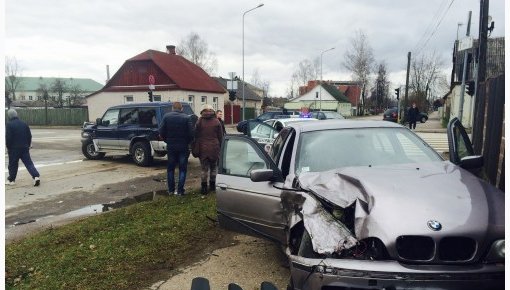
(400, 199)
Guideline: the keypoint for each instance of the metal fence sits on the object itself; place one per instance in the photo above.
(53, 116)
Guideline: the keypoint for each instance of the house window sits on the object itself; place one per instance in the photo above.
(215, 103)
(128, 99)
(22, 98)
(29, 97)
(204, 100)
(39, 98)
(191, 101)
(156, 98)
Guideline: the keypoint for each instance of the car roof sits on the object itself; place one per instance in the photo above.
(342, 124)
(153, 104)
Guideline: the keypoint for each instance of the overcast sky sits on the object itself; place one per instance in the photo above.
(79, 38)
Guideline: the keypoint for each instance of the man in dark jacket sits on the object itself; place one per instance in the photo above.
(18, 140)
(413, 116)
(219, 115)
(177, 131)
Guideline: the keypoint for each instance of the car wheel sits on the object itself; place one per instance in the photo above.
(142, 154)
(423, 119)
(90, 152)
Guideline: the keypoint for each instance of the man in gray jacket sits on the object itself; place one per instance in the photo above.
(18, 139)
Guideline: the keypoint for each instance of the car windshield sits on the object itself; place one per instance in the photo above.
(329, 149)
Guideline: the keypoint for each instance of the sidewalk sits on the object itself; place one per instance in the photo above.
(433, 124)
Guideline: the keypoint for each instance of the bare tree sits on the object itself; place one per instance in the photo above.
(306, 72)
(196, 50)
(425, 75)
(258, 82)
(293, 88)
(359, 60)
(76, 97)
(59, 87)
(13, 79)
(381, 87)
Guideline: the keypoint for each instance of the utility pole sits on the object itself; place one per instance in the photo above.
(464, 69)
(478, 121)
(407, 84)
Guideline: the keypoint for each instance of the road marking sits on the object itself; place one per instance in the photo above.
(49, 164)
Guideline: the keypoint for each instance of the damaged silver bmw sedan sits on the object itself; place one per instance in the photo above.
(366, 205)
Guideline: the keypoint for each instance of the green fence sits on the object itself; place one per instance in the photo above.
(56, 116)
(250, 113)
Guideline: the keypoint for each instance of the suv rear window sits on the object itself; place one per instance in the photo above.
(185, 108)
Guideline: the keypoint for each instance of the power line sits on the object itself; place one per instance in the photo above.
(431, 23)
(435, 30)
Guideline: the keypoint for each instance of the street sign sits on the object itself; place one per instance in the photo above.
(465, 43)
(231, 85)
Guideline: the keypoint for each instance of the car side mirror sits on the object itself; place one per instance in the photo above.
(472, 162)
(98, 121)
(259, 175)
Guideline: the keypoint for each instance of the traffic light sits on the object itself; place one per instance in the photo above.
(150, 96)
(470, 88)
(397, 92)
(232, 95)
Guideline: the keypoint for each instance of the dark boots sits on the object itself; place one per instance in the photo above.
(203, 190)
(212, 186)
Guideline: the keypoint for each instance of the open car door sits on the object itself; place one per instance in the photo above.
(244, 202)
(460, 147)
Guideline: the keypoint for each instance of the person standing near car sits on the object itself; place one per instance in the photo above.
(177, 130)
(219, 115)
(208, 135)
(413, 115)
(18, 140)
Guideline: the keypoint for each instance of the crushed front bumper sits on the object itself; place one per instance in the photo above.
(339, 274)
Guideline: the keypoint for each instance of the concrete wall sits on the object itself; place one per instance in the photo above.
(455, 107)
(98, 103)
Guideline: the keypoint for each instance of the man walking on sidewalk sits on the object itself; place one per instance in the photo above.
(18, 139)
(177, 131)
(413, 116)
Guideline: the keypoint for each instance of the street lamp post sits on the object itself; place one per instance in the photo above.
(320, 88)
(244, 100)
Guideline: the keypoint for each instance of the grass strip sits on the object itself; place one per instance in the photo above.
(123, 249)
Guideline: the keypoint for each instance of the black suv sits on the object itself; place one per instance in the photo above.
(130, 129)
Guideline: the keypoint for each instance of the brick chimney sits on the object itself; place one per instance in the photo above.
(170, 49)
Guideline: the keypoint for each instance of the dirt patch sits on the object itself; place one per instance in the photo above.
(248, 261)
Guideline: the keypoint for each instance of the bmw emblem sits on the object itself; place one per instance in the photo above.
(434, 225)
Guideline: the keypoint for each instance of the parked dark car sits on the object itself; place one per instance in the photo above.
(241, 126)
(391, 115)
(367, 205)
(325, 115)
(130, 129)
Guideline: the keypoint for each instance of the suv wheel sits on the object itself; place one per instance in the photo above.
(423, 119)
(90, 152)
(142, 154)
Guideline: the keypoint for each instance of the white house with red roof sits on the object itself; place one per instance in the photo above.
(176, 79)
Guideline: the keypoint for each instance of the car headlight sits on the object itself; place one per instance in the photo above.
(497, 252)
(85, 134)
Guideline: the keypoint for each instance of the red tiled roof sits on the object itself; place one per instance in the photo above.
(185, 74)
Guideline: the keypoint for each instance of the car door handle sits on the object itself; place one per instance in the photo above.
(222, 186)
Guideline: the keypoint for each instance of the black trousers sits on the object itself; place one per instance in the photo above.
(15, 154)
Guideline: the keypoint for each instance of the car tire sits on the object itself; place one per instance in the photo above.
(142, 154)
(423, 119)
(90, 152)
